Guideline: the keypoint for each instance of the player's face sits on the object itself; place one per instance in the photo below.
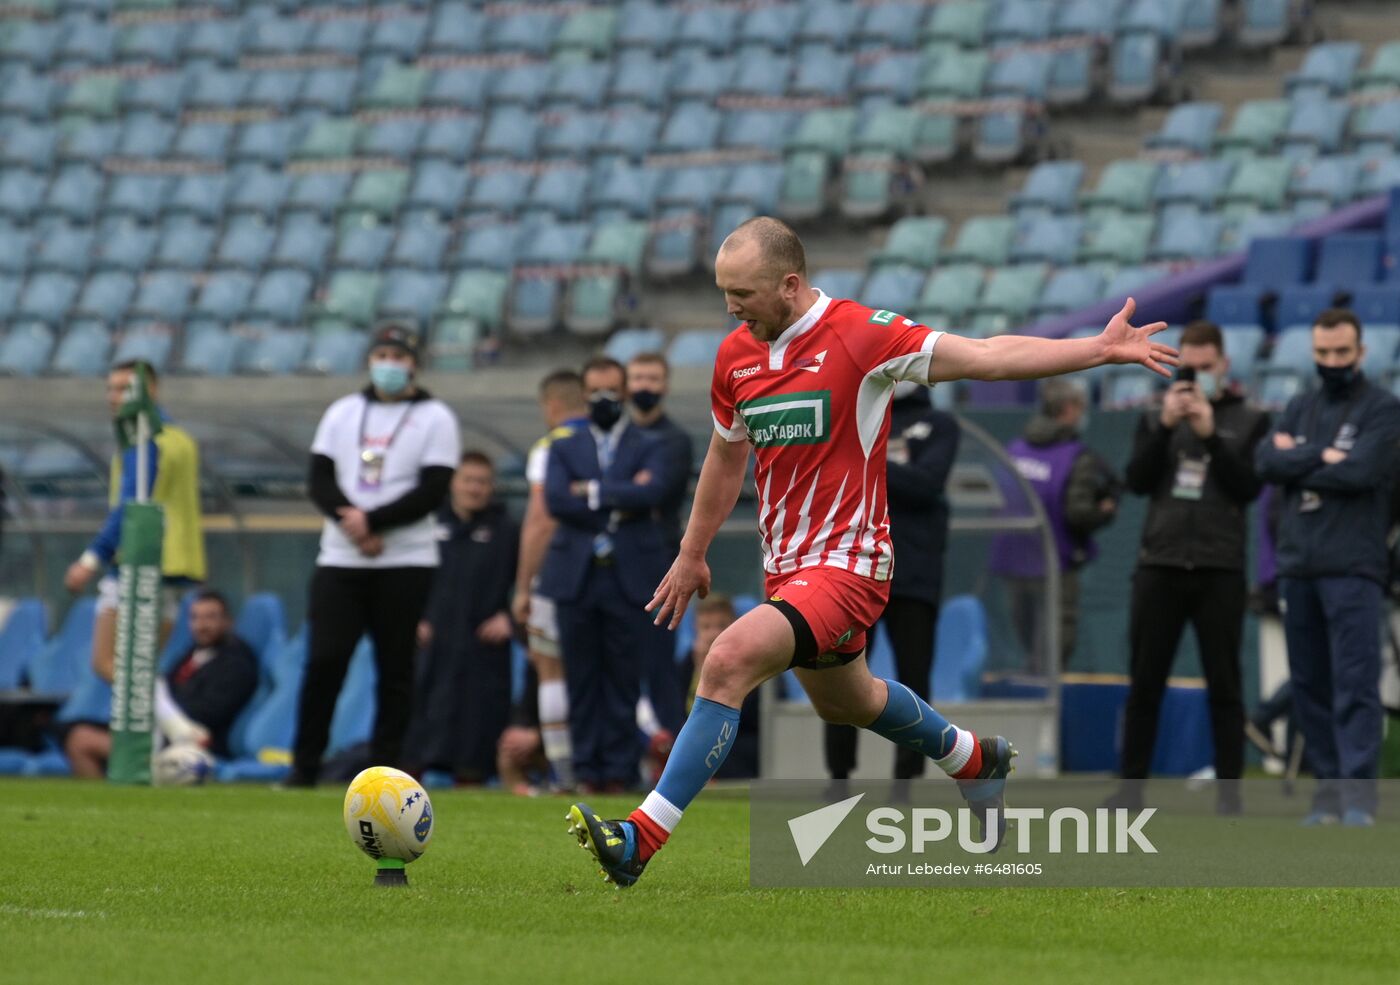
(763, 301)
(117, 382)
(208, 622)
(472, 487)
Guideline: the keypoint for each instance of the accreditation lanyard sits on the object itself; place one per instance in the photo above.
(372, 459)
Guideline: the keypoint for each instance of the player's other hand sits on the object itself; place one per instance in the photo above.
(687, 576)
(1125, 344)
(354, 524)
(76, 578)
(520, 607)
(371, 546)
(495, 630)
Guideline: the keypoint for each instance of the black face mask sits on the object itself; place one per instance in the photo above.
(604, 409)
(645, 400)
(1336, 379)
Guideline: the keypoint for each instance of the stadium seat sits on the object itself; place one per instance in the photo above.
(490, 247)
(1259, 183)
(83, 350)
(1382, 340)
(1275, 262)
(201, 196)
(949, 295)
(215, 89)
(530, 31)
(765, 76)
(24, 351)
(1384, 70)
(1197, 184)
(57, 666)
(629, 134)
(362, 245)
(1069, 289)
(336, 351)
(64, 247)
(462, 88)
(1008, 297)
(1302, 303)
(150, 342)
(592, 302)
(92, 96)
(695, 349)
(274, 351)
(421, 245)
(963, 22)
(1051, 186)
(29, 145)
(1328, 69)
(209, 349)
(413, 294)
(757, 129)
(510, 132)
(455, 29)
(1072, 76)
(1315, 127)
(892, 25)
(1124, 239)
(1124, 186)
(76, 193)
(625, 343)
(894, 76)
(1026, 76)
(329, 90)
(1350, 259)
(502, 190)
(1189, 127)
(1187, 236)
(329, 138)
(246, 243)
(344, 36)
(21, 639)
(271, 728)
(1139, 69)
(28, 94)
(400, 37)
(1161, 18)
(914, 241)
(691, 128)
(47, 297)
(587, 32)
(452, 344)
(1049, 239)
(89, 143)
(1292, 352)
(873, 184)
(281, 296)
(578, 84)
(838, 282)
(520, 85)
(224, 296)
(955, 75)
(1201, 25)
(378, 192)
(350, 297)
(273, 91)
(156, 93)
(321, 192)
(1256, 127)
(1377, 307)
(984, 240)
(398, 87)
(303, 242)
(140, 196)
(1325, 183)
(259, 191)
(1266, 23)
(106, 295)
(1230, 305)
(892, 288)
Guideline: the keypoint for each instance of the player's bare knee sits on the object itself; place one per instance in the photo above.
(839, 712)
(728, 672)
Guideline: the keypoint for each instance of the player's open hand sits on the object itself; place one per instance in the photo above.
(687, 576)
(1125, 344)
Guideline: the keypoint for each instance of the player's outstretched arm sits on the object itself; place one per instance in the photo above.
(716, 492)
(1023, 357)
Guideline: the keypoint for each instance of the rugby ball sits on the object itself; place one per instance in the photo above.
(388, 814)
(181, 765)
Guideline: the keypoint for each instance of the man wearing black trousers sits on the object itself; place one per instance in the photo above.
(923, 444)
(381, 463)
(1194, 458)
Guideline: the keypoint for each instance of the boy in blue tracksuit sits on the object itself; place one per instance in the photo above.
(1334, 454)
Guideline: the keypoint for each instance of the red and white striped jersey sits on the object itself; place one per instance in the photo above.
(815, 405)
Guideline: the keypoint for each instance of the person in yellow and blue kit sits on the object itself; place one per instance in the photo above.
(172, 474)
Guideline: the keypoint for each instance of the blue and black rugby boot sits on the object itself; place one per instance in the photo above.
(988, 789)
(613, 844)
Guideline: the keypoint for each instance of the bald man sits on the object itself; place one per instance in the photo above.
(806, 381)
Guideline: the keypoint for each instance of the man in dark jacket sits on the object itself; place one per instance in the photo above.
(197, 702)
(923, 444)
(462, 690)
(1193, 457)
(1079, 492)
(1334, 454)
(648, 377)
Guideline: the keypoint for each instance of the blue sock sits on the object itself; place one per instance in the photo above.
(699, 750)
(908, 720)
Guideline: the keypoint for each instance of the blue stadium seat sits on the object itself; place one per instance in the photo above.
(1274, 262)
(76, 193)
(271, 728)
(246, 243)
(273, 90)
(281, 296)
(1376, 306)
(1019, 22)
(354, 709)
(1189, 127)
(338, 351)
(1005, 135)
(1202, 24)
(1328, 69)
(1187, 236)
(268, 142)
(520, 85)
(510, 132)
(162, 93)
(489, 247)
(85, 41)
(212, 41)
(1302, 303)
(205, 143)
(695, 349)
(321, 192)
(83, 350)
(575, 136)
(56, 667)
(757, 184)
(1325, 182)
(770, 26)
(29, 145)
(1085, 17)
(1198, 184)
(47, 297)
(694, 187)
(27, 94)
(1048, 239)
(892, 76)
(106, 295)
(463, 88)
(217, 89)
(412, 294)
(400, 37)
(839, 283)
(702, 77)
(456, 29)
(1137, 68)
(1292, 351)
(578, 84)
(332, 90)
(823, 74)
(140, 196)
(21, 639)
(17, 245)
(1163, 19)
(625, 343)
(1315, 127)
(1375, 130)
(1069, 289)
(276, 36)
(827, 23)
(1350, 259)
(31, 42)
(960, 650)
(421, 244)
(531, 31)
(561, 192)
(364, 246)
(1231, 305)
(24, 351)
(502, 190)
(766, 75)
(627, 189)
(65, 247)
(450, 138)
(534, 301)
(629, 134)
(201, 196)
(209, 349)
(1027, 76)
(1052, 186)
(338, 36)
(145, 136)
(641, 78)
(20, 194)
(224, 296)
(892, 287)
(1243, 344)
(303, 242)
(890, 25)
(124, 244)
(185, 244)
(274, 351)
(151, 342)
(1379, 176)
(710, 28)
(91, 143)
(438, 186)
(1382, 340)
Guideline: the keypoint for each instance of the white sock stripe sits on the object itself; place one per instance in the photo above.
(554, 702)
(662, 811)
(962, 752)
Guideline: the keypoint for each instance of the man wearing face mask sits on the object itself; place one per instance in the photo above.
(923, 444)
(1079, 492)
(602, 485)
(381, 463)
(1193, 457)
(1334, 456)
(648, 376)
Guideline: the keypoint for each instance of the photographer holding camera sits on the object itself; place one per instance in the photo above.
(1194, 458)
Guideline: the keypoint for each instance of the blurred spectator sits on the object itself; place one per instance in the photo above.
(1193, 458)
(1334, 453)
(565, 411)
(462, 683)
(196, 702)
(648, 377)
(172, 481)
(1080, 492)
(604, 562)
(713, 615)
(381, 463)
(923, 443)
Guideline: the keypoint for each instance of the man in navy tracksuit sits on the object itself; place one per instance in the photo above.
(1334, 454)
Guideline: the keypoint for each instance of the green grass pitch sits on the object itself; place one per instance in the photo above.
(252, 885)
